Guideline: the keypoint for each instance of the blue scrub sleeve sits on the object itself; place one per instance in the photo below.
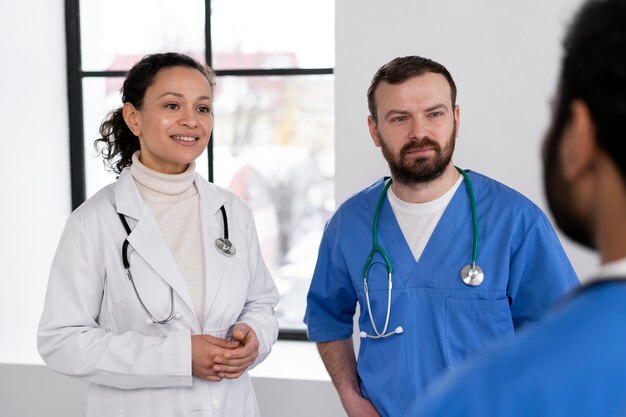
(540, 273)
(331, 301)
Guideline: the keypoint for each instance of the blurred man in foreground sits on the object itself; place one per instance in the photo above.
(573, 362)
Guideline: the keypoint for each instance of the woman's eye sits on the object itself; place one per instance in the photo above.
(204, 109)
(172, 106)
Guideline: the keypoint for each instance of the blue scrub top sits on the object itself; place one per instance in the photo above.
(444, 320)
(571, 364)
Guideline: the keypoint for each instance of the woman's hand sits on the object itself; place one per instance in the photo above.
(232, 363)
(204, 351)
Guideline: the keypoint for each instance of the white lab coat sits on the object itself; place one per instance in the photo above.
(94, 328)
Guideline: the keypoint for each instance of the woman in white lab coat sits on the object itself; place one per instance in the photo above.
(144, 301)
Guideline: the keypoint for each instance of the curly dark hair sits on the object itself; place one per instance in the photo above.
(118, 143)
(594, 70)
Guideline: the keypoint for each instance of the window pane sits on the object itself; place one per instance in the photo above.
(272, 34)
(117, 33)
(100, 96)
(274, 145)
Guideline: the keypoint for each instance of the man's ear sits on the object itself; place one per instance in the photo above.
(578, 147)
(130, 115)
(373, 127)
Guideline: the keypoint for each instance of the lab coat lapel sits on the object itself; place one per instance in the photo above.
(211, 199)
(146, 237)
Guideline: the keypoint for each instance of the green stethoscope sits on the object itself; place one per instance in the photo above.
(471, 274)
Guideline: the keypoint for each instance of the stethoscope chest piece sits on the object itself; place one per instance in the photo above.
(472, 275)
(225, 246)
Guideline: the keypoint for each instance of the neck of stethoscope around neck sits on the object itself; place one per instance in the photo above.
(381, 199)
(378, 249)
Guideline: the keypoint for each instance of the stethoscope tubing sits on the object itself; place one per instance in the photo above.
(225, 221)
(469, 269)
(472, 197)
(375, 247)
(223, 245)
(369, 307)
(172, 315)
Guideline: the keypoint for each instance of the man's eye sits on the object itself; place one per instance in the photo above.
(436, 114)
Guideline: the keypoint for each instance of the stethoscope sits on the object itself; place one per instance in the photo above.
(471, 274)
(223, 245)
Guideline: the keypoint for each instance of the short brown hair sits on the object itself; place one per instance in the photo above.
(401, 69)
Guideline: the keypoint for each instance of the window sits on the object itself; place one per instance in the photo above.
(273, 140)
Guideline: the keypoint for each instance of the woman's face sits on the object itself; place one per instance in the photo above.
(175, 121)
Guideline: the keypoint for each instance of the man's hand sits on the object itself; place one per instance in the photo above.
(231, 364)
(338, 357)
(357, 406)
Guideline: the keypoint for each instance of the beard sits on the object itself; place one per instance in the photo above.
(419, 170)
(559, 192)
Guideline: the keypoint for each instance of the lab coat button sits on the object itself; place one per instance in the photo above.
(215, 405)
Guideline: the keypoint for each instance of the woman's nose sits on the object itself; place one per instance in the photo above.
(188, 118)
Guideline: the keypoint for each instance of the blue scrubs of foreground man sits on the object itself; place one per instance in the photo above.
(573, 363)
(425, 229)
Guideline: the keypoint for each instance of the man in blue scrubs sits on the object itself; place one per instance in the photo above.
(573, 362)
(424, 236)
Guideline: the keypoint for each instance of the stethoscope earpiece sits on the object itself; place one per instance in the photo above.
(398, 330)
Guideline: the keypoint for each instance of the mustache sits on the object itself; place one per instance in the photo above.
(418, 145)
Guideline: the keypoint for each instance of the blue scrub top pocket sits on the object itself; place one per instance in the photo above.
(472, 324)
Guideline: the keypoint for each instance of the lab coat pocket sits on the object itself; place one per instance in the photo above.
(472, 324)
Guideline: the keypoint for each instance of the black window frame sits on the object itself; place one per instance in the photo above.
(75, 76)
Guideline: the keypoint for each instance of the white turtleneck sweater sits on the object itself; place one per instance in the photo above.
(175, 202)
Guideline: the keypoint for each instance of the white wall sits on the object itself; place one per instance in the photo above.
(35, 166)
(504, 57)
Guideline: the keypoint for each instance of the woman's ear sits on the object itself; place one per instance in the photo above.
(578, 148)
(130, 115)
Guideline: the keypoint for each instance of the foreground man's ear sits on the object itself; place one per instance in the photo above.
(578, 146)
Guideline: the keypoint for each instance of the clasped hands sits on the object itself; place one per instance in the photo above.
(214, 358)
